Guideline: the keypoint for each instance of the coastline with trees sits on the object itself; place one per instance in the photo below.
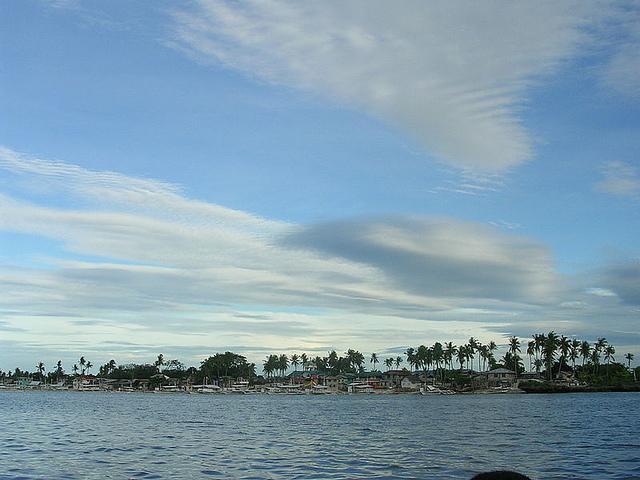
(556, 363)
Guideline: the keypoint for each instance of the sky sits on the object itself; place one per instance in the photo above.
(278, 176)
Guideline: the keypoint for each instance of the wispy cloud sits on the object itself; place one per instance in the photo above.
(622, 70)
(146, 263)
(452, 74)
(620, 179)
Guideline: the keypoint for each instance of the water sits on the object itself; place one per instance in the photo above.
(67, 435)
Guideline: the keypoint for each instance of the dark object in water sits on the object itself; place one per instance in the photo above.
(500, 475)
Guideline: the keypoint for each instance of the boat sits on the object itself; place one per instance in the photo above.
(88, 388)
(320, 390)
(206, 389)
(359, 387)
(240, 387)
(431, 390)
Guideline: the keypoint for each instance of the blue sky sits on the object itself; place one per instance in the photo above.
(459, 169)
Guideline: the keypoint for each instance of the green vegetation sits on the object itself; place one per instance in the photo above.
(553, 357)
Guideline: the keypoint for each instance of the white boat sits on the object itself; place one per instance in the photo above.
(206, 389)
(240, 387)
(88, 388)
(57, 386)
(290, 388)
(431, 390)
(171, 389)
(359, 387)
(320, 390)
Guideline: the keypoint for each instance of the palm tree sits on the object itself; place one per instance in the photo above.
(421, 359)
(159, 362)
(538, 363)
(585, 351)
(609, 350)
(266, 366)
(492, 347)
(320, 363)
(574, 353)
(628, 357)
(539, 340)
(462, 355)
(438, 355)
(564, 345)
(398, 361)
(89, 366)
(374, 360)
(305, 360)
(355, 359)
(531, 350)
(411, 357)
(514, 349)
(469, 353)
(295, 361)
(595, 358)
(270, 365)
(389, 363)
(549, 351)
(283, 363)
(450, 351)
(599, 346)
(332, 359)
(82, 364)
(473, 346)
(428, 360)
(59, 370)
(40, 367)
(483, 350)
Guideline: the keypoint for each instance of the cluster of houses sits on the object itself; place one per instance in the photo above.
(306, 381)
(401, 380)
(87, 383)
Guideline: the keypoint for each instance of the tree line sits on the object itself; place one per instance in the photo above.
(548, 354)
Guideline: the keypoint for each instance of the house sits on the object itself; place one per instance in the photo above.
(500, 377)
(410, 382)
(530, 376)
(336, 383)
(393, 378)
(23, 382)
(359, 387)
(426, 377)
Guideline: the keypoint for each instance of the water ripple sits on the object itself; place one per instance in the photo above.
(65, 435)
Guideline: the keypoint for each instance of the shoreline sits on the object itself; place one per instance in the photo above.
(551, 389)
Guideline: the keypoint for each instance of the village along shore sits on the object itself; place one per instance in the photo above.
(556, 364)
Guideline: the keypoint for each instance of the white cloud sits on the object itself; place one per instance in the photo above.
(620, 179)
(600, 292)
(622, 69)
(453, 74)
(146, 263)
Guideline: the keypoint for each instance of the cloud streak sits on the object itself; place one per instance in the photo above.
(620, 179)
(143, 262)
(452, 74)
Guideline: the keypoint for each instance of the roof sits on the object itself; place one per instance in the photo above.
(501, 370)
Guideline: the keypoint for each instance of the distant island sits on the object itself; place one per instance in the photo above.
(556, 364)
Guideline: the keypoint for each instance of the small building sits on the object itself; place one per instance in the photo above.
(393, 378)
(359, 387)
(410, 382)
(500, 377)
(336, 383)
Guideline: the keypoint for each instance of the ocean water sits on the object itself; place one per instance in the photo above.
(68, 435)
